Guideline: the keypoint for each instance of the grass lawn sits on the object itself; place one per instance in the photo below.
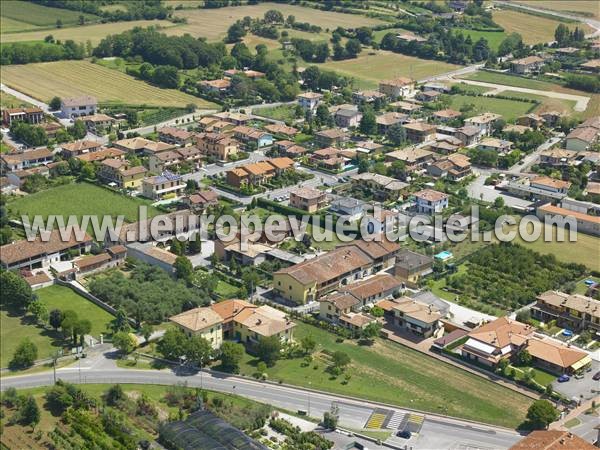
(16, 327)
(534, 29)
(587, 8)
(94, 32)
(391, 373)
(373, 66)
(79, 199)
(71, 78)
(226, 290)
(10, 101)
(494, 38)
(213, 23)
(283, 112)
(509, 80)
(547, 103)
(581, 287)
(509, 109)
(13, 26)
(39, 15)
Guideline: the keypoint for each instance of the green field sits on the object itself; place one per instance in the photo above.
(39, 15)
(71, 78)
(213, 23)
(15, 327)
(283, 112)
(12, 26)
(546, 103)
(588, 8)
(369, 69)
(494, 38)
(10, 101)
(94, 33)
(78, 199)
(509, 109)
(508, 80)
(391, 373)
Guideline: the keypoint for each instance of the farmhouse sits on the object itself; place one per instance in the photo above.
(78, 106)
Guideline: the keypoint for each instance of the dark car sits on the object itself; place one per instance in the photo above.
(596, 376)
(404, 434)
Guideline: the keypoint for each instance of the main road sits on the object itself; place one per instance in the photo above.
(437, 431)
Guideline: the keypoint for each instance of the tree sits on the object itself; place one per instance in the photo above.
(146, 331)
(323, 116)
(183, 268)
(82, 327)
(68, 323)
(195, 244)
(39, 311)
(124, 342)
(172, 345)
(340, 359)
(273, 16)
(353, 48)
(368, 124)
(177, 247)
(59, 23)
(236, 32)
(562, 34)
(198, 350)
(329, 421)
(371, 331)
(377, 311)
(55, 104)
(524, 316)
(29, 412)
(499, 202)
(231, 354)
(268, 350)
(524, 358)
(396, 134)
(15, 290)
(540, 414)
(25, 355)
(120, 322)
(114, 395)
(308, 344)
(78, 130)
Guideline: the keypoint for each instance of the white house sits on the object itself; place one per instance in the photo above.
(78, 106)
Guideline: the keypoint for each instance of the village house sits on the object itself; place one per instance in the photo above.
(78, 106)
(18, 161)
(165, 185)
(418, 132)
(347, 118)
(468, 135)
(76, 148)
(398, 87)
(573, 311)
(333, 137)
(309, 101)
(121, 173)
(249, 134)
(446, 115)
(485, 122)
(215, 86)
(102, 154)
(257, 173)
(217, 145)
(500, 146)
(454, 167)
(430, 202)
(531, 120)
(308, 199)
(368, 96)
(389, 119)
(414, 158)
(557, 157)
(200, 200)
(282, 130)
(415, 317)
(175, 136)
(527, 65)
(25, 254)
(97, 122)
(382, 187)
(32, 115)
(411, 266)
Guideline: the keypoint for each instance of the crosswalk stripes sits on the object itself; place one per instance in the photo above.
(376, 420)
(396, 420)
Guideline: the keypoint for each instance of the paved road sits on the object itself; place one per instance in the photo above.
(581, 102)
(437, 431)
(478, 190)
(531, 158)
(454, 73)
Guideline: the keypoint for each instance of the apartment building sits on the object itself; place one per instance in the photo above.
(573, 311)
(308, 199)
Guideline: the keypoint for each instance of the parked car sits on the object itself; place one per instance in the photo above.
(404, 434)
(563, 378)
(596, 376)
(579, 376)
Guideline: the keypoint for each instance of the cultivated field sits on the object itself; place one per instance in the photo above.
(78, 199)
(546, 103)
(509, 109)
(70, 78)
(213, 23)
(588, 8)
(10, 26)
(94, 33)
(41, 16)
(369, 69)
(534, 29)
(494, 38)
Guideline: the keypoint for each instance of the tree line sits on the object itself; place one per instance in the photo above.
(50, 50)
(136, 10)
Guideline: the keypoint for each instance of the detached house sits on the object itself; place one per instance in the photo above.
(309, 101)
(347, 118)
(73, 149)
(333, 137)
(411, 266)
(430, 202)
(215, 86)
(249, 134)
(500, 146)
(121, 173)
(165, 185)
(308, 199)
(175, 136)
(78, 106)
(398, 87)
(485, 122)
(527, 65)
(419, 131)
(217, 145)
(455, 167)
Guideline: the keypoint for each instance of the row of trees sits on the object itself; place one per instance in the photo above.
(24, 53)
(138, 10)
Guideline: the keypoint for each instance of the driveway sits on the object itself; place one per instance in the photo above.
(586, 386)
(478, 190)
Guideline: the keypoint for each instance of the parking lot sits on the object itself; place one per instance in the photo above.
(586, 386)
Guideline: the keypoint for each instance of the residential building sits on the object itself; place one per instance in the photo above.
(97, 122)
(446, 115)
(550, 184)
(140, 145)
(12, 162)
(102, 154)
(32, 115)
(445, 144)
(430, 202)
(552, 440)
(279, 129)
(217, 145)
(215, 86)
(78, 106)
(468, 135)
(234, 118)
(151, 253)
(414, 158)
(398, 87)
(165, 185)
(200, 200)
(551, 118)
(381, 251)
(348, 207)
(531, 120)
(419, 131)
(557, 157)
(368, 96)
(500, 146)
(505, 338)
(527, 65)
(518, 129)
(121, 173)
(257, 173)
(203, 322)
(309, 101)
(582, 138)
(543, 189)
(172, 158)
(382, 187)
(25, 254)
(308, 199)
(406, 107)
(485, 122)
(368, 146)
(73, 149)
(175, 136)
(347, 118)
(418, 318)
(455, 167)
(573, 311)
(333, 137)
(387, 120)
(249, 134)
(428, 96)
(586, 223)
(411, 266)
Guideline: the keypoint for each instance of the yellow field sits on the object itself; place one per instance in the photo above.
(213, 23)
(71, 78)
(94, 33)
(588, 8)
(369, 69)
(534, 29)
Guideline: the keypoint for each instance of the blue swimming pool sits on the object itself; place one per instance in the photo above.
(443, 256)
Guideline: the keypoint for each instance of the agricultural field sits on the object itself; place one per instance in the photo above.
(509, 109)
(391, 373)
(494, 38)
(546, 103)
(78, 199)
(372, 67)
(94, 33)
(587, 8)
(16, 327)
(534, 29)
(11, 26)
(213, 23)
(70, 78)
(38, 15)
